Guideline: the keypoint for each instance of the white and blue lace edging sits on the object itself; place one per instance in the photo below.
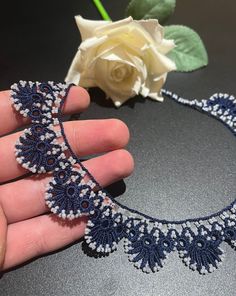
(73, 192)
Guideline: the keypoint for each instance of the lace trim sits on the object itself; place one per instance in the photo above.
(73, 192)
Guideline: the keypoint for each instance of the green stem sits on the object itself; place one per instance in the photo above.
(102, 10)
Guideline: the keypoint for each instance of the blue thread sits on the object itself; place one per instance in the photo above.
(62, 175)
(104, 231)
(200, 253)
(148, 249)
(229, 232)
(70, 199)
(31, 151)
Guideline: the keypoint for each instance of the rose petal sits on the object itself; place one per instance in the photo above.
(73, 75)
(92, 43)
(152, 87)
(153, 27)
(113, 25)
(137, 85)
(132, 35)
(166, 46)
(119, 55)
(155, 86)
(156, 96)
(87, 27)
(160, 64)
(86, 81)
(111, 53)
(80, 70)
(140, 65)
(144, 91)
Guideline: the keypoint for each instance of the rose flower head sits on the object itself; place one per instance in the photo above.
(124, 58)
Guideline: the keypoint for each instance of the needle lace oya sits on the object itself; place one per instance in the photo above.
(43, 147)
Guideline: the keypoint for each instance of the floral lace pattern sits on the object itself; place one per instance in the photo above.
(73, 192)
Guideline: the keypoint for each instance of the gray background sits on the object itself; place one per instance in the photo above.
(183, 159)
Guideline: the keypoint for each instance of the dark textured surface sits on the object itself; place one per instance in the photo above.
(184, 160)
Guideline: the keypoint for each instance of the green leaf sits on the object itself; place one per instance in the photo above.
(146, 9)
(190, 53)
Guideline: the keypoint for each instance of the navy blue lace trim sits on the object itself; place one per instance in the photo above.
(73, 192)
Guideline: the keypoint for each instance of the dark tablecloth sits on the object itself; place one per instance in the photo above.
(184, 160)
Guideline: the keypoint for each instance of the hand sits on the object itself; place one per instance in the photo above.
(27, 229)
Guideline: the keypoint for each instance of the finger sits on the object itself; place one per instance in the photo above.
(24, 199)
(37, 236)
(3, 232)
(10, 119)
(85, 137)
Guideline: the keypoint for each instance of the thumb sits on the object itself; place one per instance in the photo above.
(3, 235)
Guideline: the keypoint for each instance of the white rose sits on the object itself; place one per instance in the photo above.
(123, 58)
